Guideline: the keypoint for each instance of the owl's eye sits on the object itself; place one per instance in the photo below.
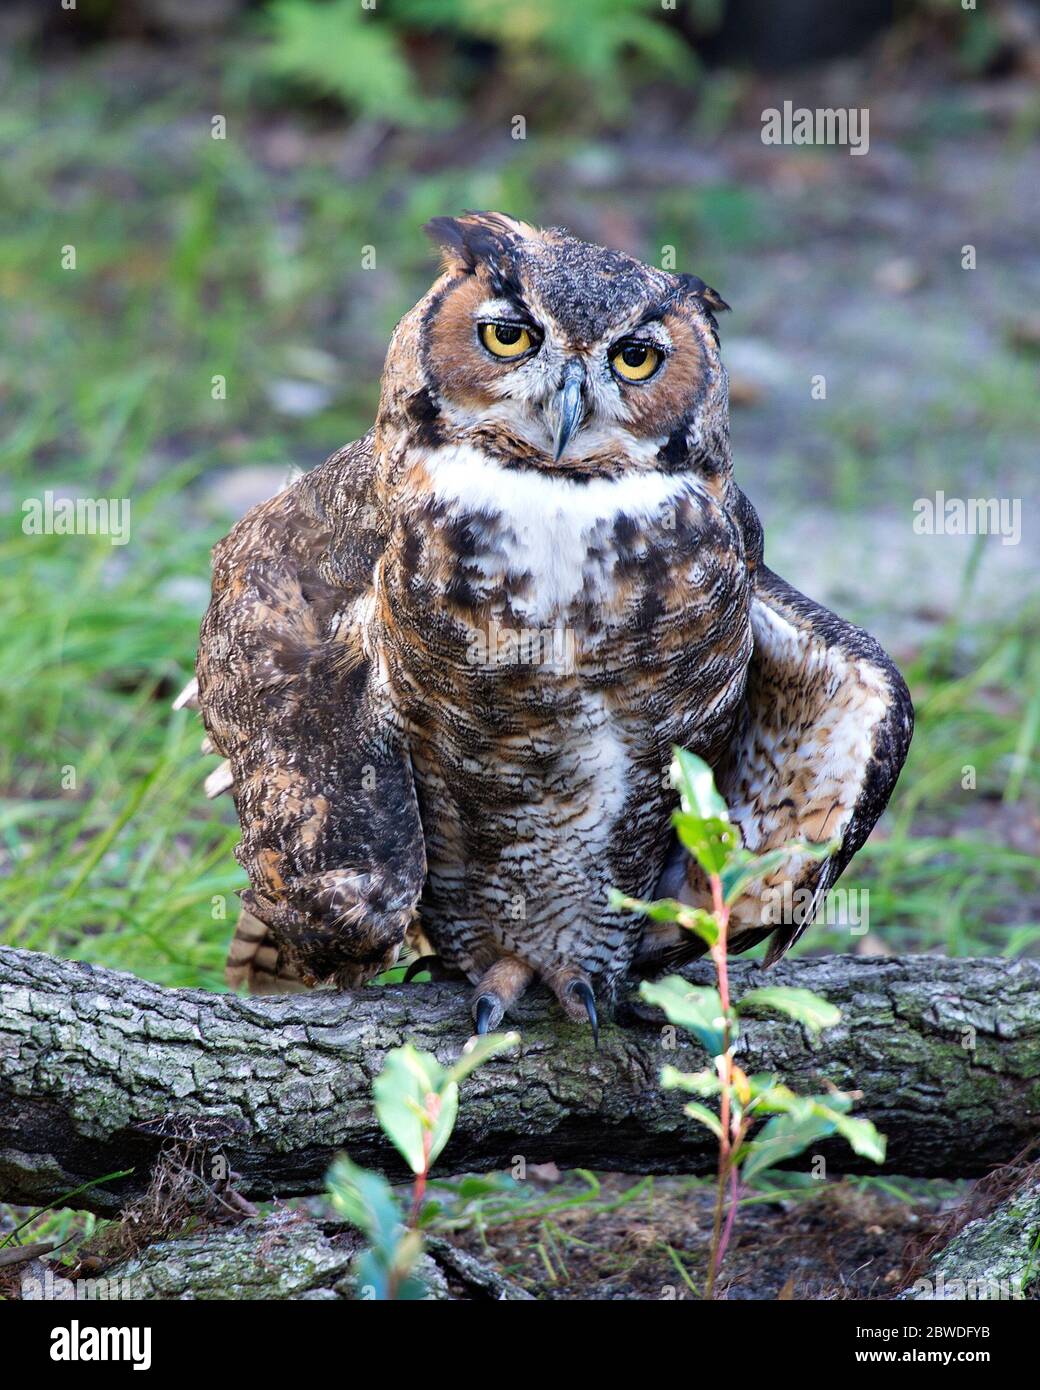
(636, 361)
(506, 339)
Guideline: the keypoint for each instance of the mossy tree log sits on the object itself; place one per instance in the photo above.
(96, 1067)
(285, 1256)
(993, 1257)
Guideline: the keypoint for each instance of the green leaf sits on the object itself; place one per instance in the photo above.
(449, 1111)
(694, 919)
(371, 1273)
(694, 780)
(387, 1273)
(701, 923)
(417, 1099)
(737, 874)
(494, 1184)
(366, 1200)
(783, 1137)
(744, 867)
(808, 1119)
(429, 1213)
(693, 1007)
(862, 1136)
(701, 1113)
(834, 1102)
(478, 1050)
(701, 1083)
(800, 1004)
(711, 841)
(411, 1290)
(661, 910)
(415, 1104)
(768, 1096)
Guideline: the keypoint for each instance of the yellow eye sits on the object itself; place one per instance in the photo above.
(505, 339)
(636, 361)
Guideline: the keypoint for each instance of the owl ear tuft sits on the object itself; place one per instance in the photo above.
(711, 299)
(477, 238)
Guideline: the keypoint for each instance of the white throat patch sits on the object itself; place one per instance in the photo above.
(549, 520)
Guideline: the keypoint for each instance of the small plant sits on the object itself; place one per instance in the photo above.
(416, 1103)
(366, 60)
(792, 1122)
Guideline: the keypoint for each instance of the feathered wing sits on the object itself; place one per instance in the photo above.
(823, 734)
(825, 731)
(289, 689)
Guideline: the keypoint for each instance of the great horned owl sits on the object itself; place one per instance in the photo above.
(447, 667)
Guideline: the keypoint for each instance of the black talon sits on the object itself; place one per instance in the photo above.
(420, 964)
(583, 990)
(483, 1012)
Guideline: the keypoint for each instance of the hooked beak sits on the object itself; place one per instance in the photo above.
(570, 405)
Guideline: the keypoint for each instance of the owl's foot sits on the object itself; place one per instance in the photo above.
(499, 988)
(574, 991)
(502, 985)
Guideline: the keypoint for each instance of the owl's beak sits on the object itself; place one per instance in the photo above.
(570, 405)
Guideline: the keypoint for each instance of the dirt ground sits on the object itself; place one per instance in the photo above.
(846, 1240)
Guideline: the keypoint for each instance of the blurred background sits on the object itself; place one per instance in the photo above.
(242, 187)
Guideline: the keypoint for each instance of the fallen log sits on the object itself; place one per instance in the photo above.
(991, 1258)
(285, 1256)
(98, 1070)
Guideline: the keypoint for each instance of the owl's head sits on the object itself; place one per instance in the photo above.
(550, 353)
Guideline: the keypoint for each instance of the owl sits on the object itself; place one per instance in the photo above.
(446, 669)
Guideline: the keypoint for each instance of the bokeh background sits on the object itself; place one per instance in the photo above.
(250, 258)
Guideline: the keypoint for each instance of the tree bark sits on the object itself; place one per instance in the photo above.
(991, 1258)
(286, 1256)
(96, 1068)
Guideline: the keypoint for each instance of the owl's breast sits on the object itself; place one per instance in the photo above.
(510, 596)
(478, 539)
(545, 645)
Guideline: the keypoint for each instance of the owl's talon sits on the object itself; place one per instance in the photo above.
(488, 1012)
(583, 991)
(498, 990)
(433, 965)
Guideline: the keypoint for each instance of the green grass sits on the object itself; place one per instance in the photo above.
(112, 855)
(203, 261)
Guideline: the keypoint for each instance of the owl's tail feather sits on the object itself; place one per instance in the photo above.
(254, 961)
